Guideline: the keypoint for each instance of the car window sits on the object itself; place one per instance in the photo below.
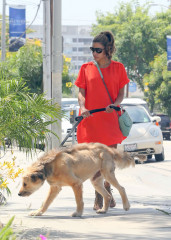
(137, 114)
(138, 104)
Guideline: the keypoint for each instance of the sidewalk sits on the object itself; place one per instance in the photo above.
(142, 221)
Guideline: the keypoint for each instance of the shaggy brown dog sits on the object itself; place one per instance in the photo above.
(71, 167)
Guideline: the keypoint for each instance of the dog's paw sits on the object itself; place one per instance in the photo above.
(101, 211)
(36, 213)
(127, 206)
(76, 214)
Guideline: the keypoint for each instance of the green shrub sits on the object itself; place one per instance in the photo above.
(24, 116)
(7, 232)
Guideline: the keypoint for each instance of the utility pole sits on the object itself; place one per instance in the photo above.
(47, 50)
(52, 61)
(3, 31)
(47, 83)
(56, 64)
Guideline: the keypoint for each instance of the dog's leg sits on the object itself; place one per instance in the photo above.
(110, 177)
(99, 187)
(77, 188)
(53, 191)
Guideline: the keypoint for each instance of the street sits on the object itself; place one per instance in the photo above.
(149, 192)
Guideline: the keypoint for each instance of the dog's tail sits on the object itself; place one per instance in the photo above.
(126, 159)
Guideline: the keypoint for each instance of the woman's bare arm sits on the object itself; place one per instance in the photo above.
(120, 97)
(81, 100)
(117, 101)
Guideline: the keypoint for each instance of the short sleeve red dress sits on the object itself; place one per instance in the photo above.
(102, 127)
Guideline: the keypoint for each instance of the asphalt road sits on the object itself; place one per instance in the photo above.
(149, 192)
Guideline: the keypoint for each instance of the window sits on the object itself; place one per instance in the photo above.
(85, 40)
(84, 49)
(137, 114)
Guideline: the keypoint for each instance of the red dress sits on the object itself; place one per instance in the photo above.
(102, 127)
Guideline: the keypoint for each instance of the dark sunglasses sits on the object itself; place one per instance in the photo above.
(97, 50)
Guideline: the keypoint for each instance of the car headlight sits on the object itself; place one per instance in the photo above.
(154, 132)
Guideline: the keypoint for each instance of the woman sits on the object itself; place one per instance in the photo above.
(102, 127)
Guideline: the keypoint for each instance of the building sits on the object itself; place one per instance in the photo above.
(76, 43)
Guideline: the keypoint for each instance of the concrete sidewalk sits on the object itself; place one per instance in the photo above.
(145, 220)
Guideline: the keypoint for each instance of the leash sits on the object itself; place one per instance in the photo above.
(78, 119)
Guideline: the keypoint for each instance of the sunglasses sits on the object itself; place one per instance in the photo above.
(97, 50)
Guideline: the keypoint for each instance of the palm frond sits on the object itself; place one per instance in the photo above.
(25, 117)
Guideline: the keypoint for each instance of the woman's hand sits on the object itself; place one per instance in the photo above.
(85, 112)
(108, 109)
(117, 102)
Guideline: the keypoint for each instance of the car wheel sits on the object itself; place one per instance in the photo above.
(160, 157)
(149, 156)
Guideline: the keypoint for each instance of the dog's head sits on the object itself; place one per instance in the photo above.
(32, 180)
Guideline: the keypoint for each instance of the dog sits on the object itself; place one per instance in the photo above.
(71, 167)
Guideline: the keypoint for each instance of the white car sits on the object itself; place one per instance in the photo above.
(145, 136)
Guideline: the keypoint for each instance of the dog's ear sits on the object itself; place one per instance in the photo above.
(36, 176)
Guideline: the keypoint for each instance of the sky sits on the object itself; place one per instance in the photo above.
(78, 12)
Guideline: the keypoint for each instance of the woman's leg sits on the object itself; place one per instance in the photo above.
(98, 203)
(108, 187)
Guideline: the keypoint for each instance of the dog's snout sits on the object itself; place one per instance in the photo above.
(24, 194)
(21, 193)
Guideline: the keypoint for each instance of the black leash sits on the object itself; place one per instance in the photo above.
(78, 119)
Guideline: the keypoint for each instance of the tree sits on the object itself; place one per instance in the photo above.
(27, 64)
(158, 83)
(30, 65)
(139, 36)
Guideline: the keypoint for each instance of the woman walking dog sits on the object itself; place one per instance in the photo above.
(103, 127)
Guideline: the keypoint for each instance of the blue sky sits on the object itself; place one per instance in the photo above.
(78, 12)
